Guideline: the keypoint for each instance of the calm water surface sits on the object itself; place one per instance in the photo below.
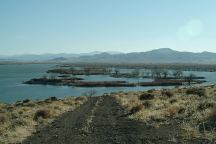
(12, 89)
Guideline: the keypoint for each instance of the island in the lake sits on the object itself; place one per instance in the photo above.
(69, 77)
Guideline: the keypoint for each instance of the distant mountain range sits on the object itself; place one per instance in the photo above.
(162, 55)
(49, 57)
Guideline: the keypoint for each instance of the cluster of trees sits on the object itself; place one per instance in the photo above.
(154, 73)
(163, 73)
(50, 76)
(159, 74)
(174, 66)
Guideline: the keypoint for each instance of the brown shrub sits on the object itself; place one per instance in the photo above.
(43, 113)
(173, 101)
(146, 96)
(26, 101)
(181, 110)
(53, 98)
(81, 98)
(29, 104)
(210, 122)
(212, 115)
(3, 118)
(205, 105)
(136, 109)
(172, 111)
(50, 99)
(166, 93)
(196, 91)
(147, 104)
(151, 90)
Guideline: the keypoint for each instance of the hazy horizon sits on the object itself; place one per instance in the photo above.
(115, 52)
(40, 27)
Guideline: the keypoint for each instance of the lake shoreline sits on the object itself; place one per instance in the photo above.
(12, 77)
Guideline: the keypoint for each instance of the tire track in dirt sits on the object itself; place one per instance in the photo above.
(68, 128)
(87, 126)
(101, 120)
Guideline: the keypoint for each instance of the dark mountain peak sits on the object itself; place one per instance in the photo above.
(104, 53)
(59, 59)
(163, 50)
(206, 52)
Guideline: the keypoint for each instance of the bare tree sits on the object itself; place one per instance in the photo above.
(45, 77)
(89, 93)
(147, 74)
(165, 73)
(156, 73)
(177, 73)
(116, 71)
(190, 78)
(87, 70)
(136, 73)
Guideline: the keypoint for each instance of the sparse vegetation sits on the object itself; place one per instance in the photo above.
(3, 118)
(90, 93)
(166, 93)
(43, 113)
(136, 108)
(192, 109)
(19, 120)
(146, 96)
(196, 91)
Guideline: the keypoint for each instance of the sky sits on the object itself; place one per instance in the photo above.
(80, 26)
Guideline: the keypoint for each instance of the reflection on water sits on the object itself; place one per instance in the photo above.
(12, 89)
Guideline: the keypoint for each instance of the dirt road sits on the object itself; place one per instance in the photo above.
(101, 120)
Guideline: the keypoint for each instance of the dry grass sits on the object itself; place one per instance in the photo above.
(196, 91)
(190, 107)
(43, 113)
(19, 120)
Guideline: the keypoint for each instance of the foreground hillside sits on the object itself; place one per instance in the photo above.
(191, 109)
(19, 120)
(179, 115)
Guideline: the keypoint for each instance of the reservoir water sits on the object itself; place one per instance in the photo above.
(12, 89)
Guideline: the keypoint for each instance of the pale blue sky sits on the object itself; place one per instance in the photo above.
(76, 26)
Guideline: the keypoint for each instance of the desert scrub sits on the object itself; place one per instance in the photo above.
(146, 96)
(19, 120)
(43, 113)
(189, 107)
(3, 118)
(166, 93)
(136, 109)
(196, 91)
